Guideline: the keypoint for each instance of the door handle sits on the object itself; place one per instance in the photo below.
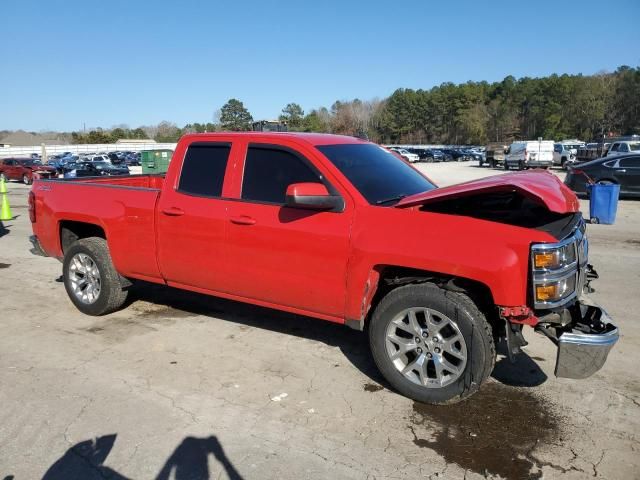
(243, 220)
(173, 211)
(621, 170)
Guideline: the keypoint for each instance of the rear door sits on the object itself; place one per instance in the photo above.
(628, 174)
(192, 218)
(281, 255)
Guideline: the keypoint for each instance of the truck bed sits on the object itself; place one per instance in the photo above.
(134, 181)
(122, 206)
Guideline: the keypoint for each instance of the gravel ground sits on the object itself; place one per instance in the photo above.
(183, 386)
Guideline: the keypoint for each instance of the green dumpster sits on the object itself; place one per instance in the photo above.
(155, 161)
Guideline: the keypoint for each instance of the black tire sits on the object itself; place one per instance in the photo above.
(3, 177)
(111, 296)
(26, 180)
(471, 323)
(506, 165)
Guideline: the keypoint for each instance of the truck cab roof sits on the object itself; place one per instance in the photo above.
(310, 138)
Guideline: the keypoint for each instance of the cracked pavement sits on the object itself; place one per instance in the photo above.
(179, 385)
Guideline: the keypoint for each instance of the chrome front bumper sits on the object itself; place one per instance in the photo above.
(583, 350)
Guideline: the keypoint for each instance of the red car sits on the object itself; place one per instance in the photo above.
(24, 170)
(340, 229)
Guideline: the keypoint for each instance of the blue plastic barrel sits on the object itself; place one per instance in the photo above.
(603, 202)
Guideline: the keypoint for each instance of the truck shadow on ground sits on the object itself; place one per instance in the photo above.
(181, 303)
(523, 372)
(189, 461)
(354, 345)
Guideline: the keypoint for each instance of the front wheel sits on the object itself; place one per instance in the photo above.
(432, 345)
(26, 180)
(91, 280)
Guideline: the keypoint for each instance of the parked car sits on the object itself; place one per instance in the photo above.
(474, 155)
(340, 229)
(24, 170)
(408, 156)
(456, 154)
(114, 158)
(528, 154)
(97, 158)
(623, 147)
(566, 152)
(421, 152)
(621, 169)
(436, 155)
(93, 169)
(133, 159)
(495, 154)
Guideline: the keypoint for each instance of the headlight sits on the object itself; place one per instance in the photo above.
(558, 270)
(553, 258)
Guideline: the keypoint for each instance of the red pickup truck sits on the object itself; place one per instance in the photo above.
(340, 229)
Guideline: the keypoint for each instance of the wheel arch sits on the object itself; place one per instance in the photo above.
(383, 279)
(71, 231)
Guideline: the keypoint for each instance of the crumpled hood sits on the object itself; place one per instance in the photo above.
(539, 185)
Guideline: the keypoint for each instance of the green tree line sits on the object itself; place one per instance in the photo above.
(556, 107)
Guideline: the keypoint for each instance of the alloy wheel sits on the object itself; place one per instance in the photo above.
(426, 347)
(84, 277)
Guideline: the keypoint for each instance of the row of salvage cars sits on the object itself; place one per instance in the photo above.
(25, 170)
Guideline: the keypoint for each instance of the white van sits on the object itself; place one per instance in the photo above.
(529, 153)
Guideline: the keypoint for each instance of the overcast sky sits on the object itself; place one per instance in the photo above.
(68, 63)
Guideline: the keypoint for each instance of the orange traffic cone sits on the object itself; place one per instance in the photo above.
(5, 209)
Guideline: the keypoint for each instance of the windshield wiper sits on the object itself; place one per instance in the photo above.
(397, 198)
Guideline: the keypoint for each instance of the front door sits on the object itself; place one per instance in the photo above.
(281, 255)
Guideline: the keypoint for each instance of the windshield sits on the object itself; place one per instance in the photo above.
(377, 174)
(100, 165)
(26, 163)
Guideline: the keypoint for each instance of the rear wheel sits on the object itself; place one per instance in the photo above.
(91, 280)
(3, 177)
(432, 345)
(26, 180)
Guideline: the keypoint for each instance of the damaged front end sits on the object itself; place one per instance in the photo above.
(582, 331)
(559, 272)
(584, 344)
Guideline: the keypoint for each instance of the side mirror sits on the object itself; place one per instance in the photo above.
(312, 196)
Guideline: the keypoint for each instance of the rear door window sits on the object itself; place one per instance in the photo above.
(630, 162)
(203, 169)
(268, 171)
